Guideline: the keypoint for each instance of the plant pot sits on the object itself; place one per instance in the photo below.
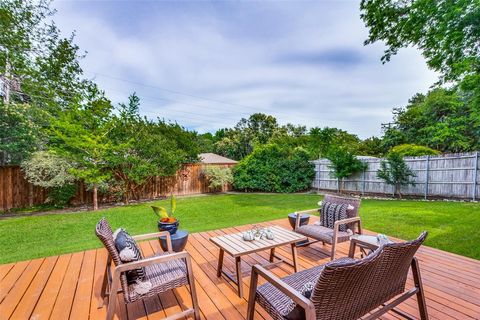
(168, 226)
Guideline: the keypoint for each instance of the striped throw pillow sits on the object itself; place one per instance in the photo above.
(128, 251)
(332, 212)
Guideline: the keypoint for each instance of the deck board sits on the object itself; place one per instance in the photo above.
(68, 286)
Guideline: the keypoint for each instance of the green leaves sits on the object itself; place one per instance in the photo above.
(173, 204)
(161, 212)
(344, 163)
(394, 171)
(446, 32)
(271, 168)
(218, 177)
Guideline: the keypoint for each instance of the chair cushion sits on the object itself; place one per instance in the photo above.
(322, 233)
(128, 251)
(277, 304)
(162, 277)
(332, 212)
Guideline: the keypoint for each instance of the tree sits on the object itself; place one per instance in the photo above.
(43, 74)
(446, 32)
(394, 171)
(273, 168)
(343, 163)
(18, 132)
(81, 136)
(441, 120)
(371, 147)
(322, 140)
(142, 149)
(238, 142)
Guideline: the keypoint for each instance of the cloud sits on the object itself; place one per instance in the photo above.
(207, 64)
(337, 58)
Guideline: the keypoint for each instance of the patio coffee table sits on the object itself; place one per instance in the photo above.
(234, 245)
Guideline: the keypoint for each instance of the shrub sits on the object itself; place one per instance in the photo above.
(50, 171)
(413, 150)
(218, 176)
(271, 168)
(47, 170)
(61, 196)
(394, 171)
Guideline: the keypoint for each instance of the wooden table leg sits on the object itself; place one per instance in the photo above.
(294, 256)
(272, 254)
(220, 263)
(238, 264)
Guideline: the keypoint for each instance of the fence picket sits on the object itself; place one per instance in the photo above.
(16, 192)
(448, 175)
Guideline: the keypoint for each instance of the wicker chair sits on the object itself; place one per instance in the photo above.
(345, 288)
(165, 271)
(327, 235)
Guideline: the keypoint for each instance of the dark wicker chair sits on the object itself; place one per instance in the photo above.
(165, 271)
(345, 288)
(327, 235)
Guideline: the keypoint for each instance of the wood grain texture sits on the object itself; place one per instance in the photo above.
(68, 286)
(17, 192)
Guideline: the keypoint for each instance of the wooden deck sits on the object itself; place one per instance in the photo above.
(68, 286)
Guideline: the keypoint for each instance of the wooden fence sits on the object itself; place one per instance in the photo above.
(17, 192)
(448, 176)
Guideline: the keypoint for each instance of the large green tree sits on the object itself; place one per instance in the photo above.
(142, 149)
(39, 67)
(238, 142)
(448, 35)
(81, 135)
(441, 120)
(447, 32)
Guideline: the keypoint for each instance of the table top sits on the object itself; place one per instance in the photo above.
(370, 240)
(234, 244)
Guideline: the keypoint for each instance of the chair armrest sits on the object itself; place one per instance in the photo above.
(159, 234)
(286, 289)
(150, 261)
(348, 220)
(299, 213)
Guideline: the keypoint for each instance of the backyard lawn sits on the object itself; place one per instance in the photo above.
(453, 226)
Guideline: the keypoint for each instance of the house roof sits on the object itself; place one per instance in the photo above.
(214, 158)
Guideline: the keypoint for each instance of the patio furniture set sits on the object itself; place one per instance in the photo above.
(345, 288)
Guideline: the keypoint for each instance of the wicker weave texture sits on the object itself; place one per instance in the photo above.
(349, 291)
(105, 234)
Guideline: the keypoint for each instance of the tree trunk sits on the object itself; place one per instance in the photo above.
(95, 198)
(398, 191)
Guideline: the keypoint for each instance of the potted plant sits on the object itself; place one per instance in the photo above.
(167, 222)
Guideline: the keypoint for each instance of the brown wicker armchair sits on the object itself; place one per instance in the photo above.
(328, 235)
(345, 288)
(164, 271)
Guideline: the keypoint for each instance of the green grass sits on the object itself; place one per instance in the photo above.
(453, 226)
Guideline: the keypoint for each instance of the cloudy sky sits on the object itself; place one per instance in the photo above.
(206, 64)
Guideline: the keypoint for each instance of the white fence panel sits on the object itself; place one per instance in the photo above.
(448, 175)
